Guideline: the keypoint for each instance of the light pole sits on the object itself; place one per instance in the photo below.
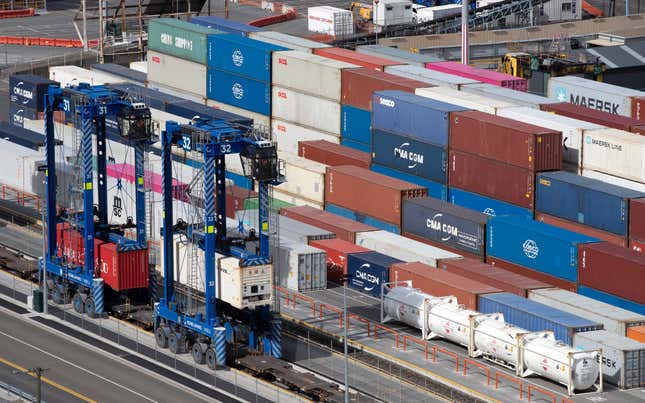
(345, 278)
(44, 268)
(38, 373)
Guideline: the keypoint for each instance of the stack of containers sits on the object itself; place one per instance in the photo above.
(225, 25)
(508, 152)
(434, 78)
(337, 251)
(304, 183)
(239, 75)
(287, 41)
(358, 88)
(306, 96)
(333, 154)
(344, 228)
(27, 97)
(584, 205)
(595, 116)
(368, 197)
(536, 250)
(410, 139)
(484, 76)
(399, 55)
(637, 225)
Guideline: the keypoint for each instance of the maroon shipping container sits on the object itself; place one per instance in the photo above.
(638, 108)
(582, 229)
(506, 140)
(491, 275)
(514, 268)
(344, 228)
(123, 270)
(612, 269)
(337, 252)
(441, 283)
(359, 59)
(595, 116)
(491, 178)
(637, 218)
(442, 246)
(235, 198)
(332, 154)
(369, 193)
(360, 84)
(636, 245)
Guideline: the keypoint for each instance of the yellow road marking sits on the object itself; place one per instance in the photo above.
(48, 381)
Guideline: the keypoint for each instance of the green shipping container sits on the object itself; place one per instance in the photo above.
(180, 39)
(252, 204)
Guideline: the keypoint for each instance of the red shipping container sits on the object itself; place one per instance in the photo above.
(123, 270)
(594, 116)
(514, 268)
(612, 269)
(441, 283)
(370, 193)
(235, 198)
(638, 246)
(637, 218)
(475, 73)
(638, 108)
(360, 84)
(494, 276)
(506, 140)
(582, 229)
(344, 228)
(332, 154)
(442, 246)
(337, 252)
(491, 178)
(359, 59)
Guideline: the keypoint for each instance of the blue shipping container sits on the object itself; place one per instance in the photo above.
(121, 71)
(356, 145)
(413, 116)
(611, 299)
(536, 245)
(362, 218)
(411, 156)
(584, 200)
(224, 25)
(356, 124)
(367, 271)
(435, 189)
(28, 90)
(243, 56)
(239, 91)
(536, 317)
(486, 205)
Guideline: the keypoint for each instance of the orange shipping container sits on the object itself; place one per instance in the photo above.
(637, 333)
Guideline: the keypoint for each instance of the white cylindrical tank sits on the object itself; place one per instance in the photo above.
(452, 322)
(405, 304)
(496, 338)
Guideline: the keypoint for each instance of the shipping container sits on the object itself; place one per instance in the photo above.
(413, 116)
(494, 276)
(290, 229)
(437, 12)
(445, 223)
(73, 75)
(301, 267)
(435, 189)
(18, 114)
(243, 286)
(260, 121)
(242, 56)
(536, 245)
(399, 55)
(122, 270)
(600, 118)
(252, 204)
(637, 333)
(303, 178)
(306, 110)
(362, 218)
(485, 76)
(294, 200)
(504, 182)
(288, 135)
(369, 193)
(139, 66)
(349, 56)
(308, 73)
(337, 251)
(28, 91)
(120, 72)
(360, 84)
(615, 320)
(332, 154)
(330, 20)
(581, 229)
(505, 140)
(288, 41)
(615, 152)
(625, 279)
(536, 317)
(407, 250)
(435, 78)
(239, 91)
(614, 180)
(356, 126)
(344, 228)
(182, 94)
(637, 218)
(611, 299)
(486, 205)
(356, 145)
(467, 101)
(517, 97)
(180, 39)
(623, 359)
(534, 274)
(572, 130)
(368, 271)
(593, 94)
(224, 25)
(163, 69)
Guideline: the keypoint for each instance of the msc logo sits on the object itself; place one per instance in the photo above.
(238, 91)
(561, 94)
(490, 211)
(238, 58)
(387, 102)
(531, 249)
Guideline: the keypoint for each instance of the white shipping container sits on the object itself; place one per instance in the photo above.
(330, 20)
(402, 248)
(243, 287)
(301, 267)
(175, 73)
(287, 41)
(392, 12)
(188, 96)
(430, 76)
(259, 120)
(615, 152)
(73, 75)
(593, 94)
(518, 97)
(614, 180)
(304, 178)
(558, 10)
(308, 73)
(139, 66)
(572, 129)
(288, 135)
(295, 199)
(615, 320)
(306, 110)
(18, 165)
(472, 101)
(432, 13)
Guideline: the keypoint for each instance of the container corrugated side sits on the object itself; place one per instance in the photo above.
(367, 271)
(344, 228)
(172, 71)
(287, 41)
(293, 230)
(611, 299)
(435, 189)
(289, 135)
(360, 84)
(485, 76)
(332, 154)
(356, 125)
(637, 219)
(615, 152)
(119, 71)
(600, 118)
(239, 91)
(430, 76)
(349, 56)
(338, 252)
(581, 229)
(306, 110)
(180, 39)
(486, 205)
(304, 178)
(534, 274)
(302, 267)
(362, 218)
(508, 94)
(260, 121)
(468, 101)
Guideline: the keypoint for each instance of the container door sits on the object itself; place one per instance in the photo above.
(631, 369)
